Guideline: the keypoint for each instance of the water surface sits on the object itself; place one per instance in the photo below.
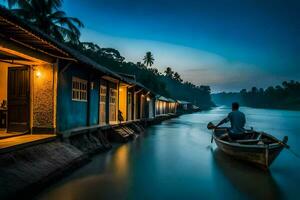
(175, 160)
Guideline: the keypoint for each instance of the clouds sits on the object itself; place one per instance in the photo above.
(199, 67)
(227, 45)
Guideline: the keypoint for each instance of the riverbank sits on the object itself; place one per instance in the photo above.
(258, 100)
(27, 169)
(279, 107)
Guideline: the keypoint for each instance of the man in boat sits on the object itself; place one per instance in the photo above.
(237, 120)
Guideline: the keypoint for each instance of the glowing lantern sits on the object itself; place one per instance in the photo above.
(38, 74)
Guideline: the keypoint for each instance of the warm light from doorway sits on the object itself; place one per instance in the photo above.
(38, 74)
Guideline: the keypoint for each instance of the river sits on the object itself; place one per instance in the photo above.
(175, 160)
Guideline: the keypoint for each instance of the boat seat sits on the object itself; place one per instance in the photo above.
(248, 141)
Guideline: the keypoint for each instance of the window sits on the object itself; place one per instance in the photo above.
(79, 89)
(113, 96)
(102, 94)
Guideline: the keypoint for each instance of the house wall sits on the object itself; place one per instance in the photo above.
(144, 107)
(94, 101)
(137, 106)
(163, 107)
(185, 106)
(151, 108)
(43, 96)
(43, 89)
(70, 114)
(130, 104)
(168, 106)
(157, 107)
(134, 106)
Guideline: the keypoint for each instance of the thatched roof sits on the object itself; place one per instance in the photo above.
(17, 30)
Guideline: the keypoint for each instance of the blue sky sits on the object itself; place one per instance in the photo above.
(227, 44)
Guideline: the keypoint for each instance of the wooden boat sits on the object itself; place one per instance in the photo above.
(258, 148)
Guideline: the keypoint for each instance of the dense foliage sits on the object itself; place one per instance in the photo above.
(285, 96)
(198, 95)
(47, 16)
(168, 84)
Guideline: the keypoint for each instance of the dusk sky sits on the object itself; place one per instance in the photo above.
(227, 44)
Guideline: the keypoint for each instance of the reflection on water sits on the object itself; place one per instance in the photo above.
(249, 180)
(107, 184)
(120, 161)
(175, 160)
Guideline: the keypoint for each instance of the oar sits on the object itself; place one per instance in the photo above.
(293, 152)
(283, 143)
(211, 126)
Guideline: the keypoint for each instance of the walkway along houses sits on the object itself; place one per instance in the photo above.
(47, 87)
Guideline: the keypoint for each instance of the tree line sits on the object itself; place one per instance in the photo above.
(48, 17)
(284, 96)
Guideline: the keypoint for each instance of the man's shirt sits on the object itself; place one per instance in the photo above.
(237, 120)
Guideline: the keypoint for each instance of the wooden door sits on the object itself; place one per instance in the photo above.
(18, 99)
(151, 114)
(137, 106)
(129, 108)
(113, 105)
(102, 107)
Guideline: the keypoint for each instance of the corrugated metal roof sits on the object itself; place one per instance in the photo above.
(162, 98)
(183, 102)
(171, 100)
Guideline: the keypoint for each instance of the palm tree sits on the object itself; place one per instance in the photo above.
(154, 71)
(140, 65)
(177, 77)
(169, 72)
(45, 14)
(148, 59)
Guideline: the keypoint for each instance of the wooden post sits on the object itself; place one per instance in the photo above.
(88, 114)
